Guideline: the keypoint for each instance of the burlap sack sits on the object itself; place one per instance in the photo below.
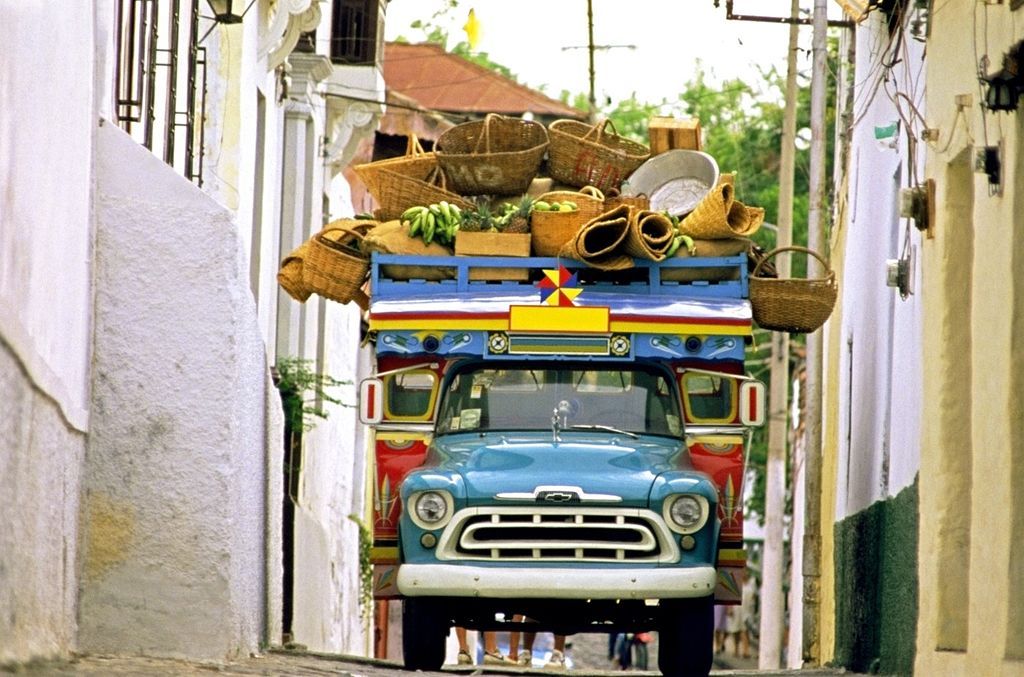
(391, 237)
(650, 234)
(599, 241)
(708, 248)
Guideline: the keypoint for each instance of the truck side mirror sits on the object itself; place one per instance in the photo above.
(371, 401)
(752, 403)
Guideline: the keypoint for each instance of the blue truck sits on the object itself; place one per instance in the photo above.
(568, 445)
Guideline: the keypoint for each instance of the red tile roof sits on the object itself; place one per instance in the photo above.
(441, 81)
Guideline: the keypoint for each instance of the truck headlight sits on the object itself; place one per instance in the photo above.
(430, 509)
(686, 513)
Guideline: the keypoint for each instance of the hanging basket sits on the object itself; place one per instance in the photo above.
(495, 156)
(590, 155)
(335, 266)
(792, 305)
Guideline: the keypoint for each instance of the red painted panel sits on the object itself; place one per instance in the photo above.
(724, 464)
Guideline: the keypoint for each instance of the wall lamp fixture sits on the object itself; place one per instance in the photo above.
(227, 11)
(1004, 88)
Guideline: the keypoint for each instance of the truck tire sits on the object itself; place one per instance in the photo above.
(686, 637)
(423, 634)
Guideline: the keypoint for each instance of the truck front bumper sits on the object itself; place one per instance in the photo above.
(451, 580)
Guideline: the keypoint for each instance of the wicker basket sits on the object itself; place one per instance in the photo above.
(588, 155)
(552, 230)
(792, 305)
(495, 156)
(289, 275)
(395, 192)
(613, 198)
(335, 268)
(415, 164)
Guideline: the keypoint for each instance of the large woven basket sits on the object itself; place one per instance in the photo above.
(552, 230)
(335, 266)
(590, 155)
(416, 164)
(396, 192)
(792, 305)
(495, 156)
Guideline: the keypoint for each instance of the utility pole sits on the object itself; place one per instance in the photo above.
(590, 52)
(773, 558)
(591, 48)
(815, 345)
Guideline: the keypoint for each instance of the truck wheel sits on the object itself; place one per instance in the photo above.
(686, 640)
(423, 634)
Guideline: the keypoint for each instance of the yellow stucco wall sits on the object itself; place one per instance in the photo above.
(969, 592)
(830, 443)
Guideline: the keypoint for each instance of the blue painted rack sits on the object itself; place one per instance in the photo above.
(644, 279)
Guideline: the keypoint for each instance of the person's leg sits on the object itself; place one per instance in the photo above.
(491, 653)
(464, 656)
(557, 660)
(526, 656)
(513, 638)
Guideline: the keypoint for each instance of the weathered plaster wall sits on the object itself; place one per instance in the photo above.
(876, 587)
(971, 495)
(40, 475)
(174, 512)
(327, 608)
(46, 174)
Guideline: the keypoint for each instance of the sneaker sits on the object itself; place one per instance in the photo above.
(464, 658)
(496, 659)
(556, 662)
(525, 659)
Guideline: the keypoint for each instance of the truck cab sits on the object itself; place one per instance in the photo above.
(579, 464)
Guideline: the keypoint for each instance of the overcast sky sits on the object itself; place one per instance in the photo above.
(653, 48)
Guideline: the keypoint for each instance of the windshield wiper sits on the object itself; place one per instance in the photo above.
(606, 428)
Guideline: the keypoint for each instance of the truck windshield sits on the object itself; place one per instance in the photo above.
(632, 399)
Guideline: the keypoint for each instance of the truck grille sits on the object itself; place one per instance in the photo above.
(568, 534)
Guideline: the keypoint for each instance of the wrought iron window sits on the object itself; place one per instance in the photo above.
(161, 80)
(356, 32)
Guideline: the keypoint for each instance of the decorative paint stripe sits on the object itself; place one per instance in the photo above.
(383, 555)
(400, 437)
(684, 326)
(501, 323)
(727, 556)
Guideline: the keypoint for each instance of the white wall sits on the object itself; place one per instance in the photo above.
(45, 196)
(45, 319)
(880, 333)
(175, 509)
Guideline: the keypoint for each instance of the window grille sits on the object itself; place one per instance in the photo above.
(161, 80)
(356, 31)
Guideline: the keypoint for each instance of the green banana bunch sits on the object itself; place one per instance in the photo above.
(437, 221)
(679, 241)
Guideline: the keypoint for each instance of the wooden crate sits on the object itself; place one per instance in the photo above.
(667, 133)
(494, 244)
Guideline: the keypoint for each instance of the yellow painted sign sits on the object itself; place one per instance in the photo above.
(559, 319)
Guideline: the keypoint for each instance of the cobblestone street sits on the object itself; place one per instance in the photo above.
(306, 664)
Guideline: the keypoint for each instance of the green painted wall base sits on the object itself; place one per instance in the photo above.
(876, 586)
